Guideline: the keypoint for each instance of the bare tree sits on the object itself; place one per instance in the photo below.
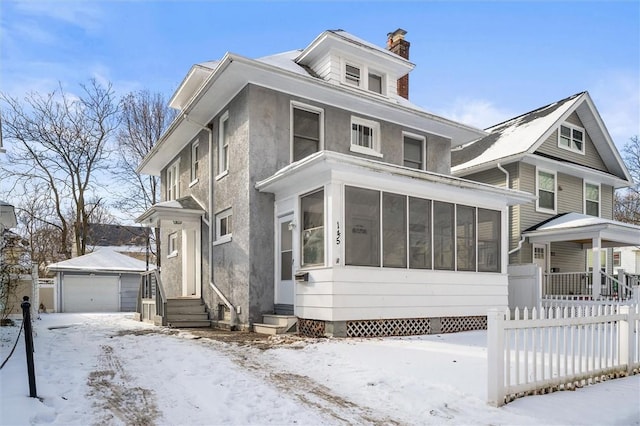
(627, 203)
(144, 116)
(61, 150)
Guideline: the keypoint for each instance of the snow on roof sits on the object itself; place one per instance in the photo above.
(515, 136)
(101, 260)
(286, 61)
(576, 220)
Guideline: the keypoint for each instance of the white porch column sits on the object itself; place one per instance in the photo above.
(595, 273)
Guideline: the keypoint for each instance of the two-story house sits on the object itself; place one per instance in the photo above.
(306, 183)
(563, 154)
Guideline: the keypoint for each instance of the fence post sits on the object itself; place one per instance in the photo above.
(625, 336)
(28, 340)
(495, 357)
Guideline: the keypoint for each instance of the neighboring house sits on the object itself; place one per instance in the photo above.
(130, 240)
(102, 281)
(17, 277)
(563, 154)
(306, 183)
(627, 259)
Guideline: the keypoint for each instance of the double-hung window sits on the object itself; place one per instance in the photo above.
(571, 138)
(592, 199)
(546, 185)
(352, 74)
(194, 161)
(224, 226)
(413, 152)
(307, 130)
(173, 181)
(365, 136)
(364, 78)
(223, 145)
(172, 245)
(375, 82)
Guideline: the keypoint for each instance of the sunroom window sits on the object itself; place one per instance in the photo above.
(312, 208)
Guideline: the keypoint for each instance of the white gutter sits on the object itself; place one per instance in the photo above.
(210, 224)
(507, 185)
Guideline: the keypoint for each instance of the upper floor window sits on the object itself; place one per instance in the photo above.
(571, 138)
(375, 82)
(365, 136)
(592, 199)
(223, 145)
(352, 75)
(173, 181)
(194, 161)
(413, 151)
(307, 130)
(546, 188)
(224, 226)
(364, 78)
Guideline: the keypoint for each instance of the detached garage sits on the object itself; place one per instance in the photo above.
(102, 281)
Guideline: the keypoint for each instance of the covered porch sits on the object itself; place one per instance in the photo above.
(592, 236)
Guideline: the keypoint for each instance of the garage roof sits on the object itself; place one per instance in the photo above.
(100, 261)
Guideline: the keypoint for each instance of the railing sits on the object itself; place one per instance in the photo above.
(579, 286)
(631, 280)
(559, 349)
(152, 302)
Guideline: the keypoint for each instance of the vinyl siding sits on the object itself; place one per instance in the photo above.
(567, 257)
(591, 157)
(606, 201)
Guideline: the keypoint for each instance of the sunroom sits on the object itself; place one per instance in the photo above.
(359, 240)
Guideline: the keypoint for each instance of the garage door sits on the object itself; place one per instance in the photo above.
(84, 293)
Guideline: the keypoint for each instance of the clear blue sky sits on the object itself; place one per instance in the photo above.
(479, 62)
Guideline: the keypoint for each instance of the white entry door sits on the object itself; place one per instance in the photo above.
(540, 256)
(284, 291)
(191, 264)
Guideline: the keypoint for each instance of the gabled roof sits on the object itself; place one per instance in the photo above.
(518, 137)
(100, 261)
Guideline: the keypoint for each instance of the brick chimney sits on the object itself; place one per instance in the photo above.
(398, 45)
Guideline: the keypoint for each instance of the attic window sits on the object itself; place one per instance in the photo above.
(571, 138)
(375, 83)
(352, 75)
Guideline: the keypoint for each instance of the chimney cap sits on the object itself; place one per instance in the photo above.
(397, 34)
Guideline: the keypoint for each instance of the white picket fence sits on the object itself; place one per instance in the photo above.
(540, 351)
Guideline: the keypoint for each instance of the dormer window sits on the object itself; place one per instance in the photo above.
(375, 83)
(352, 75)
(571, 138)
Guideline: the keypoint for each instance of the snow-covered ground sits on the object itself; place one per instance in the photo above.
(110, 369)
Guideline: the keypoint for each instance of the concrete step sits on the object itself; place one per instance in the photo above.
(184, 301)
(268, 329)
(189, 324)
(185, 309)
(280, 320)
(201, 316)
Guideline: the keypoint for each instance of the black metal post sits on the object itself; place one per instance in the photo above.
(28, 340)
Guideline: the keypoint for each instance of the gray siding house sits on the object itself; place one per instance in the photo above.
(563, 154)
(306, 184)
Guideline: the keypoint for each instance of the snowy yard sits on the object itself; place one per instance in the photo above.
(109, 369)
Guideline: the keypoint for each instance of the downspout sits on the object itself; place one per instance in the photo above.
(210, 224)
(507, 185)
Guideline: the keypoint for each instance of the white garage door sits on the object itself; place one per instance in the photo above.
(84, 293)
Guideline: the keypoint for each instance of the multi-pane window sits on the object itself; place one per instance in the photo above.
(365, 136)
(546, 191)
(443, 235)
(419, 233)
(375, 83)
(362, 227)
(223, 144)
(173, 179)
(413, 152)
(224, 226)
(617, 258)
(489, 240)
(361, 135)
(466, 238)
(194, 161)
(592, 199)
(312, 208)
(394, 230)
(307, 131)
(571, 138)
(352, 75)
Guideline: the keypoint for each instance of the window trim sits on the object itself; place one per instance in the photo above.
(309, 108)
(555, 191)
(174, 169)
(572, 127)
(221, 239)
(584, 197)
(172, 245)
(421, 138)
(375, 127)
(195, 162)
(221, 139)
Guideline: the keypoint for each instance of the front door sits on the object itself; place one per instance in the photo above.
(284, 291)
(540, 256)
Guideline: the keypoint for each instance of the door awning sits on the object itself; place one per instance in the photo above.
(582, 229)
(186, 209)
